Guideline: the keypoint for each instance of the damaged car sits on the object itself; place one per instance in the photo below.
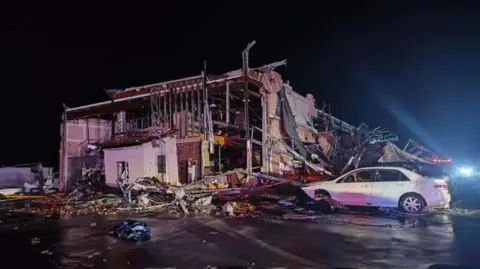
(410, 187)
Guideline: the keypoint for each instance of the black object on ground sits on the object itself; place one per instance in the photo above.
(132, 230)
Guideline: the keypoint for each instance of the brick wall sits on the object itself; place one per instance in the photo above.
(188, 149)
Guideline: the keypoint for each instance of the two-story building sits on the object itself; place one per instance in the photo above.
(183, 129)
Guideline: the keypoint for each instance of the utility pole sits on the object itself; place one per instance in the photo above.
(246, 106)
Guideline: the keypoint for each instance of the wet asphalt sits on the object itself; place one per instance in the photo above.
(342, 240)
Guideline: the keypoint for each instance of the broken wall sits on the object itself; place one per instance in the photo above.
(77, 135)
(143, 161)
(81, 130)
(303, 108)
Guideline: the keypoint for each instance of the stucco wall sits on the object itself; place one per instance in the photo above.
(142, 161)
(133, 155)
(169, 146)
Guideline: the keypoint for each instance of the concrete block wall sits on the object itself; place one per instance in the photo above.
(80, 130)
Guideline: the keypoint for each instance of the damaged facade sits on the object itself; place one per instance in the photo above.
(179, 131)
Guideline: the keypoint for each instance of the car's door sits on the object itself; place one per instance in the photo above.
(389, 185)
(355, 188)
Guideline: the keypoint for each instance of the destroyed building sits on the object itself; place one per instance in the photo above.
(179, 131)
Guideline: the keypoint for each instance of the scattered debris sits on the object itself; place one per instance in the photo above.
(93, 255)
(46, 252)
(35, 241)
(248, 196)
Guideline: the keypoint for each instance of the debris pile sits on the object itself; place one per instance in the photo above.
(230, 194)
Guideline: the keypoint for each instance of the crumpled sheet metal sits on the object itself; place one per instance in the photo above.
(392, 153)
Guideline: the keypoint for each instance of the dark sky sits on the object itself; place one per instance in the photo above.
(413, 68)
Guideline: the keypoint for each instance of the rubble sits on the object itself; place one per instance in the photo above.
(248, 195)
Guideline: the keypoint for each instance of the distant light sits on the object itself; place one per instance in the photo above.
(441, 160)
(466, 171)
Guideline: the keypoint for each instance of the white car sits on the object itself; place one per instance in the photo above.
(384, 186)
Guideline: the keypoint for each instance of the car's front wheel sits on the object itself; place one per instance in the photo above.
(412, 203)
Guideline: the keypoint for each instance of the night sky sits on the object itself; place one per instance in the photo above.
(412, 68)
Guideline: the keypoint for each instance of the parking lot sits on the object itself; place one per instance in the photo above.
(351, 240)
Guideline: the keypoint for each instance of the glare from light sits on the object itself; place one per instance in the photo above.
(466, 171)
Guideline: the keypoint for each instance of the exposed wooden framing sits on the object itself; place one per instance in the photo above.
(185, 108)
(159, 107)
(192, 105)
(227, 102)
(187, 93)
(170, 116)
(197, 108)
(165, 117)
(140, 97)
(200, 104)
(181, 91)
(145, 89)
(112, 126)
(246, 106)
(175, 108)
(64, 181)
(88, 130)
